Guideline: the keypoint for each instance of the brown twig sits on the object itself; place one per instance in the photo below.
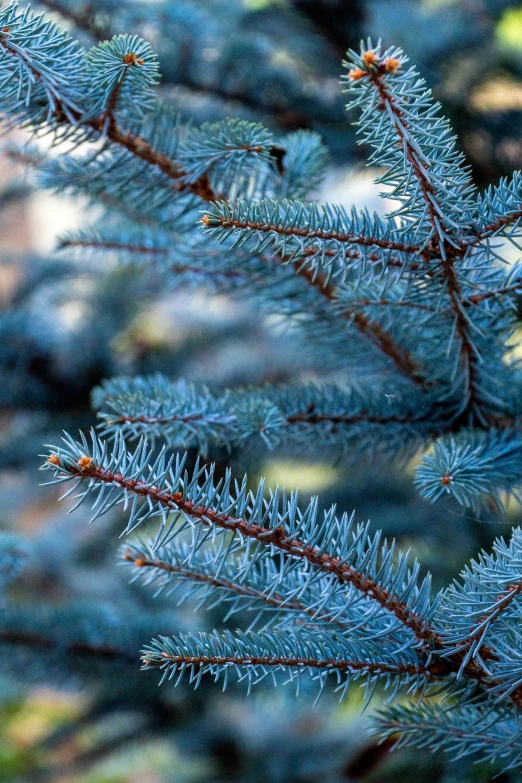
(315, 663)
(387, 103)
(141, 148)
(468, 357)
(105, 245)
(501, 604)
(153, 251)
(489, 230)
(388, 303)
(370, 329)
(308, 233)
(310, 416)
(509, 289)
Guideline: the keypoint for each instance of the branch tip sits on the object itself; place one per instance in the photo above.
(374, 65)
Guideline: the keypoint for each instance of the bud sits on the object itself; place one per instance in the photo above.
(356, 73)
(391, 65)
(131, 59)
(370, 58)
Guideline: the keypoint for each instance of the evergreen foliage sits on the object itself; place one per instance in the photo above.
(407, 320)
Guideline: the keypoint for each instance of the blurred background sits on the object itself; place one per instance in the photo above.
(65, 324)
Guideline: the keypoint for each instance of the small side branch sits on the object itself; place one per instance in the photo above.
(269, 537)
(228, 222)
(143, 560)
(370, 329)
(418, 165)
(118, 246)
(491, 229)
(468, 356)
(477, 633)
(140, 148)
(313, 417)
(148, 250)
(376, 667)
(310, 416)
(515, 288)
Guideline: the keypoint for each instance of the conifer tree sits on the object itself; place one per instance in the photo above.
(409, 319)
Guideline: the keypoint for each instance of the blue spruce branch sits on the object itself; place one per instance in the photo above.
(425, 287)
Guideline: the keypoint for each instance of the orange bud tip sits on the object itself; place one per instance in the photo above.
(369, 58)
(165, 655)
(5, 29)
(54, 459)
(446, 480)
(85, 462)
(391, 65)
(205, 220)
(139, 562)
(131, 59)
(356, 73)
(177, 497)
